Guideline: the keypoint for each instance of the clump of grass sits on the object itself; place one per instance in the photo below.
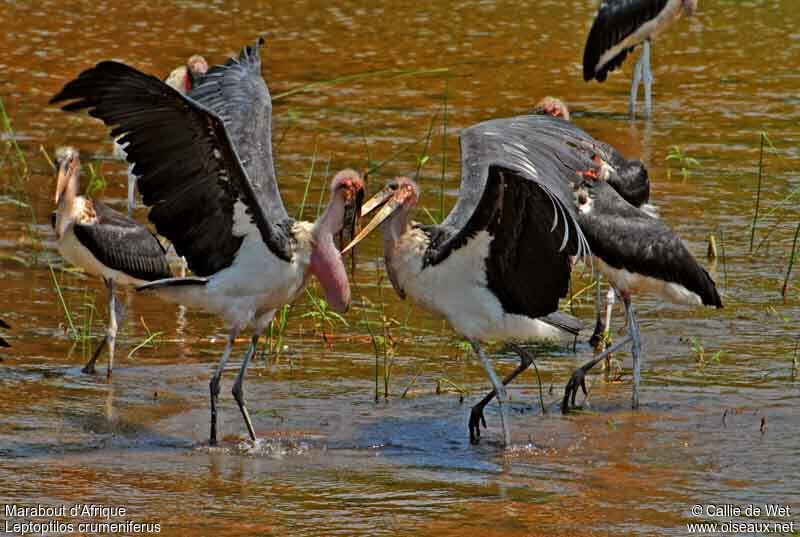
(57, 285)
(322, 314)
(150, 341)
(684, 162)
(702, 357)
(97, 182)
(383, 343)
(21, 164)
(276, 331)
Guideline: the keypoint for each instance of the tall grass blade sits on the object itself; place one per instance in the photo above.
(758, 193)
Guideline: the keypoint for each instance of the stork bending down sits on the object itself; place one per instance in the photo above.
(104, 243)
(630, 180)
(636, 253)
(205, 168)
(621, 25)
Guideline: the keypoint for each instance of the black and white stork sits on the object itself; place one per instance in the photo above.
(498, 265)
(621, 25)
(183, 79)
(530, 201)
(635, 251)
(629, 179)
(3, 342)
(104, 243)
(205, 169)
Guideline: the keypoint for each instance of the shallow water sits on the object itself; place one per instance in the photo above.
(331, 460)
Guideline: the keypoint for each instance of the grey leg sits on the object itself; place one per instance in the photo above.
(114, 315)
(115, 310)
(648, 79)
(214, 384)
(599, 328)
(89, 368)
(499, 389)
(636, 350)
(476, 418)
(637, 77)
(238, 386)
(131, 190)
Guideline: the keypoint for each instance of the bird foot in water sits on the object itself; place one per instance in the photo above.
(476, 419)
(578, 380)
(89, 369)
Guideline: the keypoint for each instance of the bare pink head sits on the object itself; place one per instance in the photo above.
(550, 106)
(395, 202)
(184, 77)
(347, 193)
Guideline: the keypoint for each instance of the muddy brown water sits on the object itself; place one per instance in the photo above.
(332, 461)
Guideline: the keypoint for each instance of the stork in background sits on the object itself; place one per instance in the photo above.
(183, 79)
(499, 263)
(205, 168)
(104, 243)
(621, 25)
(3, 342)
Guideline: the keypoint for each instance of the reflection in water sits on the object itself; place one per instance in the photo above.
(333, 461)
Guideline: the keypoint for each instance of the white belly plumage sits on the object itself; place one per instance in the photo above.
(633, 283)
(257, 282)
(457, 289)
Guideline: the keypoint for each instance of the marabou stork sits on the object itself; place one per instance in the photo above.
(629, 179)
(498, 265)
(183, 79)
(104, 243)
(3, 342)
(205, 168)
(531, 198)
(621, 25)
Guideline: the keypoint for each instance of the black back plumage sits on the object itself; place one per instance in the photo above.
(630, 180)
(189, 171)
(624, 237)
(519, 191)
(3, 342)
(615, 20)
(123, 244)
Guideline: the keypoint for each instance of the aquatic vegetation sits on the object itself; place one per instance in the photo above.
(701, 356)
(683, 162)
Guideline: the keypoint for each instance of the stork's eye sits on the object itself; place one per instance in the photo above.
(393, 186)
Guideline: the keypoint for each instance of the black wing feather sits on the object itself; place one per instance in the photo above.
(188, 168)
(625, 237)
(517, 185)
(237, 93)
(124, 245)
(631, 180)
(615, 20)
